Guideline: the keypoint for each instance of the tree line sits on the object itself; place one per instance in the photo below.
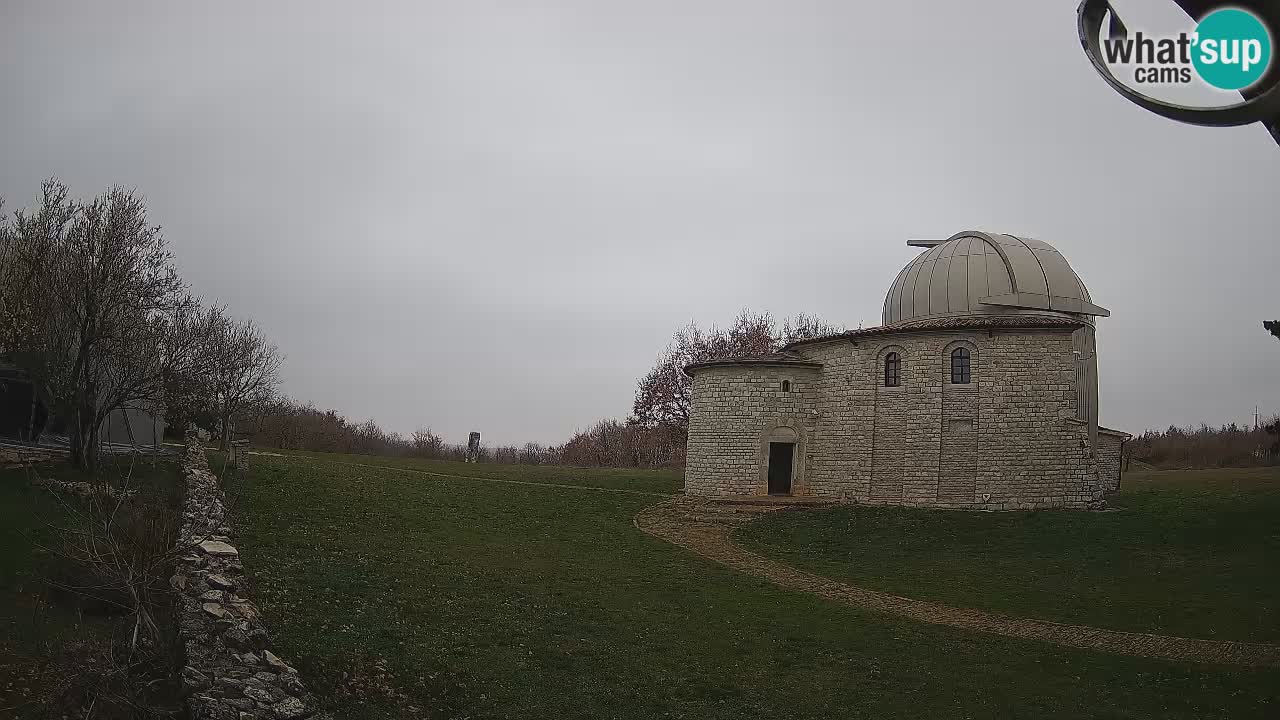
(1231, 445)
(654, 435)
(94, 312)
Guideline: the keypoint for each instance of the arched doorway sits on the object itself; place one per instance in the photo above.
(781, 460)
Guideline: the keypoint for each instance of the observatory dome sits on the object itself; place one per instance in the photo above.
(980, 273)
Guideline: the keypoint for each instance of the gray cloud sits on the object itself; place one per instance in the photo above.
(492, 216)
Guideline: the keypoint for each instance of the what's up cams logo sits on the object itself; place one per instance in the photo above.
(1230, 48)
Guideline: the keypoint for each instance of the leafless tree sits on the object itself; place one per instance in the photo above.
(95, 310)
(532, 454)
(663, 394)
(245, 369)
(427, 444)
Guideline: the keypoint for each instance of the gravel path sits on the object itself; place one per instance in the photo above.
(704, 526)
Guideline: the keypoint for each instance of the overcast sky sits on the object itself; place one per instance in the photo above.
(492, 216)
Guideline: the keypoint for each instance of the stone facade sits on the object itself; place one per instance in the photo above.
(1019, 432)
(1110, 458)
(737, 412)
(1009, 439)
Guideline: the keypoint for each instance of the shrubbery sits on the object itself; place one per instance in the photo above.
(1208, 447)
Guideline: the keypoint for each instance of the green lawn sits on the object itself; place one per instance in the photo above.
(1192, 553)
(52, 639)
(409, 595)
(654, 481)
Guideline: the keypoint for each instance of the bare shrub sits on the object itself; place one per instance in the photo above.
(1208, 447)
(116, 554)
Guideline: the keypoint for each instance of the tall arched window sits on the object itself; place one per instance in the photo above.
(892, 369)
(960, 374)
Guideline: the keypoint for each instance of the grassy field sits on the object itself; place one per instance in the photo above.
(403, 594)
(653, 481)
(53, 641)
(1192, 553)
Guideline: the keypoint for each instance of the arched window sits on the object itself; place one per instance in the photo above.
(960, 374)
(786, 386)
(892, 370)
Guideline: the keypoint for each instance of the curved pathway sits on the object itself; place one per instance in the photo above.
(704, 526)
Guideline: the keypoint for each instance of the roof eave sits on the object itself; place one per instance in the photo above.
(1004, 322)
(691, 368)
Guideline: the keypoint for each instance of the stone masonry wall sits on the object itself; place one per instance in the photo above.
(1109, 459)
(734, 411)
(1003, 441)
(230, 672)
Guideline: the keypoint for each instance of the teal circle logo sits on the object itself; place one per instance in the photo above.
(1232, 49)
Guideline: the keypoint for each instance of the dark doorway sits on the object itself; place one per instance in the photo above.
(780, 456)
(16, 406)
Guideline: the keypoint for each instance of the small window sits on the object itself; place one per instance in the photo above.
(786, 386)
(892, 370)
(960, 374)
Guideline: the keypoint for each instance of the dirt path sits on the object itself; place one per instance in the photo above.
(704, 527)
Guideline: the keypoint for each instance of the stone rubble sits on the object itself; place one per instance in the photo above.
(16, 457)
(230, 672)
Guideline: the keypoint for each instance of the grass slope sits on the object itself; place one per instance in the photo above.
(405, 595)
(1192, 553)
(50, 639)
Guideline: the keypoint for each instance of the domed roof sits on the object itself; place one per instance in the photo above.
(979, 273)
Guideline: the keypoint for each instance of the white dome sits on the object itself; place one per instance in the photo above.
(979, 273)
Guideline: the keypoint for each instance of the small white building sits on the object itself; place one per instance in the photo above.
(134, 427)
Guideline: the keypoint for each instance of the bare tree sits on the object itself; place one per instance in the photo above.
(663, 394)
(532, 454)
(806, 327)
(427, 444)
(245, 369)
(95, 310)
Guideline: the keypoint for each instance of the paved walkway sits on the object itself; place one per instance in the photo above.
(704, 526)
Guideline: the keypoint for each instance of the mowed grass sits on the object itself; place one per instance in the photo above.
(487, 599)
(1191, 553)
(652, 481)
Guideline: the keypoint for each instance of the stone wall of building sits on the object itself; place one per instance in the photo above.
(230, 672)
(1003, 441)
(1110, 457)
(735, 412)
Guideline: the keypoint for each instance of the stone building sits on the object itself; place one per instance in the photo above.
(979, 391)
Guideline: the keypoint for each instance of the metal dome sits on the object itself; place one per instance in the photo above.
(979, 273)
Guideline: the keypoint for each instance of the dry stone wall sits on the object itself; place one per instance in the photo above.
(1006, 440)
(230, 671)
